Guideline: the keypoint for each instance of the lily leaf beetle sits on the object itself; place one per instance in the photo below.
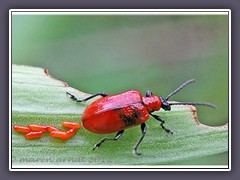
(117, 112)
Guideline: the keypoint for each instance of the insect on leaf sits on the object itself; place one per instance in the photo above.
(38, 98)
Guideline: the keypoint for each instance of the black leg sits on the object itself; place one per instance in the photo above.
(149, 93)
(162, 122)
(118, 135)
(144, 131)
(90, 97)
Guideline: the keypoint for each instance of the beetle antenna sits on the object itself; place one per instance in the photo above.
(180, 87)
(194, 103)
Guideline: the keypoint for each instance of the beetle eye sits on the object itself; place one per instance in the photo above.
(165, 105)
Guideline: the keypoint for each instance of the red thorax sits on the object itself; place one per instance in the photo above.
(152, 103)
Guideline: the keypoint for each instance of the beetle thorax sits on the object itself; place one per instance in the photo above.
(152, 103)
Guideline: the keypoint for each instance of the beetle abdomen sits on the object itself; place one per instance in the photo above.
(115, 112)
(116, 119)
(134, 114)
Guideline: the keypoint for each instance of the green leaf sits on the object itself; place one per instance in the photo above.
(38, 98)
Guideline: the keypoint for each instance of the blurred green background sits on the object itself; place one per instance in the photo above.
(115, 53)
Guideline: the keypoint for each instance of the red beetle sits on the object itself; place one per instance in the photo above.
(115, 113)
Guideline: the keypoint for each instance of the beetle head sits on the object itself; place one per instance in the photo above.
(165, 105)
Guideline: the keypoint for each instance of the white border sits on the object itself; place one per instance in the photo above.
(229, 90)
(121, 12)
(10, 91)
(125, 168)
(118, 12)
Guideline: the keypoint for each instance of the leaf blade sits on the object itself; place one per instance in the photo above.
(46, 103)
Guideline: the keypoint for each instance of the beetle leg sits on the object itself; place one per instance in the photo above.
(149, 93)
(144, 131)
(162, 122)
(117, 136)
(90, 97)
